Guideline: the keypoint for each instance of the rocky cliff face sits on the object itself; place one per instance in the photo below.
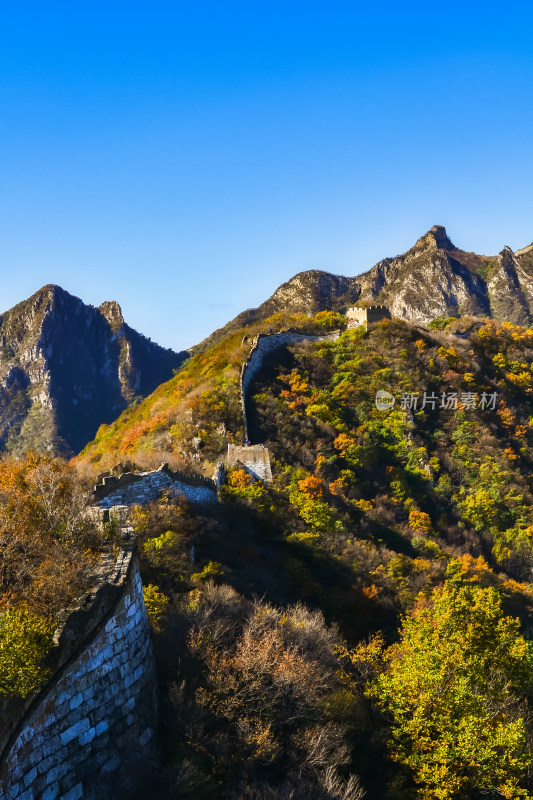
(433, 279)
(66, 368)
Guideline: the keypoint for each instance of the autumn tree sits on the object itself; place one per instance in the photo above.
(25, 638)
(242, 486)
(454, 688)
(48, 543)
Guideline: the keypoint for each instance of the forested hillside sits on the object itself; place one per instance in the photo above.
(363, 623)
(189, 420)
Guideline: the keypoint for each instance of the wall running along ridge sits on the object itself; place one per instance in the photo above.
(267, 343)
(138, 488)
(256, 458)
(89, 733)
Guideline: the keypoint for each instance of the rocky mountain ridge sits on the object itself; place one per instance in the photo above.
(432, 279)
(67, 367)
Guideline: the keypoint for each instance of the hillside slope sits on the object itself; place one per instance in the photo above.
(376, 519)
(189, 420)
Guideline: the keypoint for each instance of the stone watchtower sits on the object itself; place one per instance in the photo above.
(357, 315)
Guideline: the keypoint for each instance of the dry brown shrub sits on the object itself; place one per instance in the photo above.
(270, 676)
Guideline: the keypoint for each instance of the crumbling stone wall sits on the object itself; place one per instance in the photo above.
(138, 488)
(357, 315)
(254, 458)
(90, 731)
(265, 344)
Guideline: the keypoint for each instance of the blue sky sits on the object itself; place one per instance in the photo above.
(185, 159)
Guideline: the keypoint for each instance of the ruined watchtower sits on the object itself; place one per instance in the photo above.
(357, 315)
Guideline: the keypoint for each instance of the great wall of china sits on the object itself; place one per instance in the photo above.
(89, 731)
(138, 488)
(255, 457)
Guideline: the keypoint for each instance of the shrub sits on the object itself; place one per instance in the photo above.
(156, 604)
(25, 639)
(211, 571)
(165, 552)
(440, 323)
(241, 485)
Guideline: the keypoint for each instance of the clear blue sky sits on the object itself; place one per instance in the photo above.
(185, 159)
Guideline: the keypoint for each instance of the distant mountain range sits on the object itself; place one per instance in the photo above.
(67, 367)
(432, 279)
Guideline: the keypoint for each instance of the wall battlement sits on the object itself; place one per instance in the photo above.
(254, 458)
(138, 488)
(86, 734)
(358, 315)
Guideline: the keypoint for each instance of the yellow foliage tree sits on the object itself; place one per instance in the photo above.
(25, 639)
(453, 687)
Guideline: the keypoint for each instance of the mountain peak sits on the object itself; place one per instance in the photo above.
(67, 367)
(52, 290)
(436, 238)
(112, 312)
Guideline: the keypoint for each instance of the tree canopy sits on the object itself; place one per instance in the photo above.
(455, 687)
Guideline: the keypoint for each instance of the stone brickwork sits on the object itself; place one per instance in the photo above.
(138, 488)
(255, 459)
(118, 514)
(265, 344)
(357, 315)
(90, 731)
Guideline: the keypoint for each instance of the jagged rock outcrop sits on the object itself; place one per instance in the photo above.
(510, 289)
(67, 367)
(111, 310)
(432, 279)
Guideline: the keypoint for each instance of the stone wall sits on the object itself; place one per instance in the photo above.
(255, 459)
(138, 488)
(89, 733)
(357, 315)
(265, 344)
